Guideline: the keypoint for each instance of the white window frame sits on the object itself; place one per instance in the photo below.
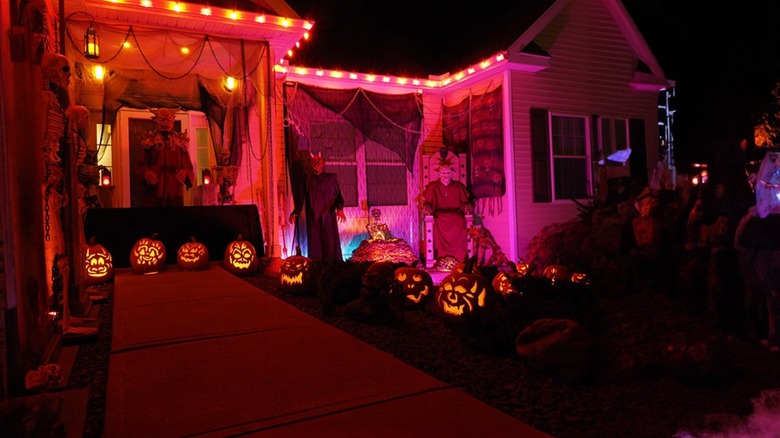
(586, 157)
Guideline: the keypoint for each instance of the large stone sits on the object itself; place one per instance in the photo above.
(562, 347)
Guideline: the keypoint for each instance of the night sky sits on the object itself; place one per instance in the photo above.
(725, 61)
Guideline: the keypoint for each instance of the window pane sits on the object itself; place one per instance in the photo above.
(347, 174)
(104, 154)
(607, 145)
(570, 178)
(386, 185)
(620, 134)
(568, 135)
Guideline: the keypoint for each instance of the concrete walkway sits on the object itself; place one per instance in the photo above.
(204, 353)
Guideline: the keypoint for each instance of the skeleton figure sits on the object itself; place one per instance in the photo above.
(78, 119)
(56, 69)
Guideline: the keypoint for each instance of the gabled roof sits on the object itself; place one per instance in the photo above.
(510, 28)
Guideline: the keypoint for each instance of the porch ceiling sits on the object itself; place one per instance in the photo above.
(282, 33)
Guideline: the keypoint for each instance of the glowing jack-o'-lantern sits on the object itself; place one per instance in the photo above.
(98, 264)
(192, 255)
(297, 275)
(557, 273)
(580, 278)
(241, 257)
(503, 283)
(148, 255)
(416, 286)
(464, 295)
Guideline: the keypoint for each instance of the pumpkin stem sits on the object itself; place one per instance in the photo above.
(92, 241)
(193, 239)
(240, 237)
(297, 250)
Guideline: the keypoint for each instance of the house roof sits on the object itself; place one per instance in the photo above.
(456, 38)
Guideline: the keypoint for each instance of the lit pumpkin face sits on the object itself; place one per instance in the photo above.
(416, 286)
(462, 296)
(580, 278)
(556, 273)
(193, 255)
(503, 283)
(240, 257)
(147, 256)
(98, 265)
(524, 268)
(297, 274)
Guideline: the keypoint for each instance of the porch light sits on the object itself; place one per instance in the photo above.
(91, 43)
(230, 83)
(206, 176)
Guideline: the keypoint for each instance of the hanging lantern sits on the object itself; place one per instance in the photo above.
(105, 176)
(91, 43)
(192, 255)
(206, 176)
(98, 265)
(240, 257)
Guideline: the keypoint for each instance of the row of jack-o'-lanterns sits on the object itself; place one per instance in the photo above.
(461, 295)
(148, 255)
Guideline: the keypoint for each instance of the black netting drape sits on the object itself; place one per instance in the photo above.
(394, 121)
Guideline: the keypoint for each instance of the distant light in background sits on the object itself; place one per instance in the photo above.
(98, 72)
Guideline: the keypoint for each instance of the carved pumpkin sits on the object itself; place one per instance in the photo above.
(556, 273)
(297, 275)
(98, 264)
(241, 257)
(464, 295)
(193, 255)
(147, 255)
(416, 286)
(580, 278)
(503, 283)
(524, 268)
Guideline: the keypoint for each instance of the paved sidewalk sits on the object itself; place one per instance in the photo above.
(204, 353)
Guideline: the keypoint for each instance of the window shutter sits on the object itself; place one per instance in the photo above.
(638, 158)
(540, 156)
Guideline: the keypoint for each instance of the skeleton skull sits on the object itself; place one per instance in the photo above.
(56, 69)
(78, 117)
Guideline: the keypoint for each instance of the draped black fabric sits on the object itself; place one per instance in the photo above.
(455, 126)
(392, 120)
(487, 145)
(475, 126)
